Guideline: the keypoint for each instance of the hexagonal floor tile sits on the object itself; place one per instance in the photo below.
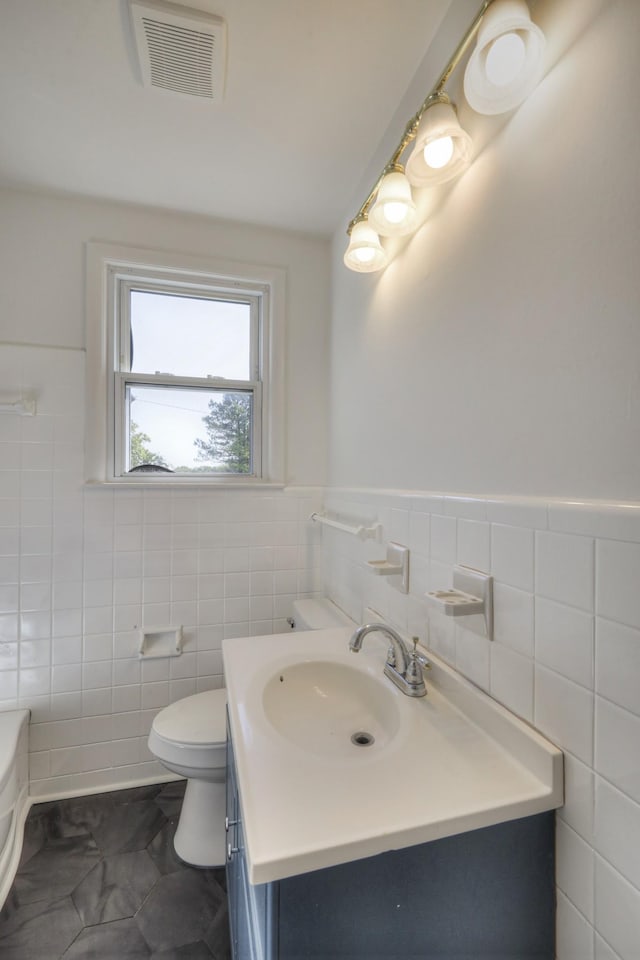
(129, 827)
(180, 909)
(108, 941)
(58, 868)
(115, 888)
(39, 931)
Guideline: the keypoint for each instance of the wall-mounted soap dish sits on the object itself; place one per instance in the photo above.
(455, 603)
(396, 564)
(472, 594)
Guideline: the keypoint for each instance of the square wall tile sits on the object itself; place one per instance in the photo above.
(419, 532)
(8, 686)
(617, 731)
(513, 623)
(512, 555)
(34, 682)
(565, 569)
(9, 598)
(617, 911)
(472, 656)
(565, 640)
(474, 544)
(96, 702)
(512, 680)
(9, 627)
(604, 951)
(35, 653)
(8, 655)
(617, 830)
(574, 933)
(564, 712)
(575, 868)
(618, 576)
(443, 539)
(618, 664)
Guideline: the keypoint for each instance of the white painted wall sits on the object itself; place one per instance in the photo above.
(42, 289)
(499, 351)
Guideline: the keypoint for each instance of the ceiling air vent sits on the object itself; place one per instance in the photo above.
(180, 49)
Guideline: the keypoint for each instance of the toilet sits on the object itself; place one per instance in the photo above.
(320, 614)
(189, 738)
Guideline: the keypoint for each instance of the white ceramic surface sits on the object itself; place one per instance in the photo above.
(189, 738)
(318, 705)
(456, 761)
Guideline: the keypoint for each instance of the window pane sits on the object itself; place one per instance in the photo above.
(189, 429)
(190, 336)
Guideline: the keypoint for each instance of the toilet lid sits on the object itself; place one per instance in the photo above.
(199, 719)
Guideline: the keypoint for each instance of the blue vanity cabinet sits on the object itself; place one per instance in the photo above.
(252, 908)
(486, 894)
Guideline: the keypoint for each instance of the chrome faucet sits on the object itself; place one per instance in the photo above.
(402, 667)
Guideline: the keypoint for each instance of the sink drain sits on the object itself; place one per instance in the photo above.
(362, 739)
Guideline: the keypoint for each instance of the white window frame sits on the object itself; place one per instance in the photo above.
(112, 272)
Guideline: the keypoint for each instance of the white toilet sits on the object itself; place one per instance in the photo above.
(189, 738)
(320, 614)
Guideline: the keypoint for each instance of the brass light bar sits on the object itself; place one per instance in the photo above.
(436, 95)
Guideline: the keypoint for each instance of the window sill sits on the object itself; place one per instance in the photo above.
(154, 481)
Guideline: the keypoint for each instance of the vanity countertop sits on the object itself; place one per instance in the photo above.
(452, 761)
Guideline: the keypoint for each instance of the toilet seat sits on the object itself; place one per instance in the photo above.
(192, 732)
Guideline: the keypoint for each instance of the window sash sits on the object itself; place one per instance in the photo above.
(154, 282)
(185, 289)
(211, 384)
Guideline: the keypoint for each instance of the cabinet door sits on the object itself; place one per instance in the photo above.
(251, 908)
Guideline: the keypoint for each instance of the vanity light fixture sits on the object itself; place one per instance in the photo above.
(365, 253)
(502, 71)
(394, 214)
(442, 149)
(507, 62)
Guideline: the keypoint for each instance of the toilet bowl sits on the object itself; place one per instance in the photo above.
(189, 738)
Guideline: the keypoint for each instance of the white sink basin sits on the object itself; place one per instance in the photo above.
(331, 708)
(439, 765)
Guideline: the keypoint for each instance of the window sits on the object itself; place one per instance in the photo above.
(182, 367)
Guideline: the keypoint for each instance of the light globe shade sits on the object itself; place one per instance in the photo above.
(365, 253)
(394, 213)
(508, 60)
(442, 149)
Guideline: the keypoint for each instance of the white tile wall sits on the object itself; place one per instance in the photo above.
(82, 568)
(566, 656)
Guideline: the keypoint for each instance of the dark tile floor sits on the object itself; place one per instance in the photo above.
(99, 880)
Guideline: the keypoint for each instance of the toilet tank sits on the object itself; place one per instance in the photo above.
(318, 615)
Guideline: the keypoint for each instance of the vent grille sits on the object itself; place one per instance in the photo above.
(180, 50)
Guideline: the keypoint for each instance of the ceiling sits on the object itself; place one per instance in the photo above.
(311, 86)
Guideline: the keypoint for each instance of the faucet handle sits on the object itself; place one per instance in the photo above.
(424, 663)
(392, 660)
(413, 675)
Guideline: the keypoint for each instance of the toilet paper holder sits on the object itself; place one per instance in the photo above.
(156, 642)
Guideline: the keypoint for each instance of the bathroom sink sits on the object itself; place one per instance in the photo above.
(446, 763)
(331, 708)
